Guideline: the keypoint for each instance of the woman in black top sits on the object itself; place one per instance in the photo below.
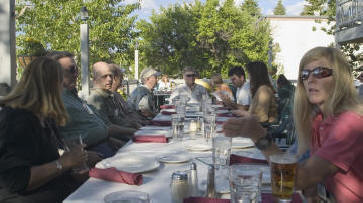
(31, 169)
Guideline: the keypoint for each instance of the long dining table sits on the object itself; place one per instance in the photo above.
(157, 174)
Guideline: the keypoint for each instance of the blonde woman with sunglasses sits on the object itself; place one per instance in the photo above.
(329, 122)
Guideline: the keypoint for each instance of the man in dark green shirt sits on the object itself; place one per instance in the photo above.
(102, 99)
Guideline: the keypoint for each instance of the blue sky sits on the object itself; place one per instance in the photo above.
(293, 7)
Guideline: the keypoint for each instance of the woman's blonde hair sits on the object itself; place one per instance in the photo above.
(342, 95)
(39, 90)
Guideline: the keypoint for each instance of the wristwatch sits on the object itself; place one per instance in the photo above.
(58, 165)
(264, 142)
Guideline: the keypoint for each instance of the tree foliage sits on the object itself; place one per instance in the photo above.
(251, 7)
(56, 24)
(208, 36)
(328, 8)
(279, 9)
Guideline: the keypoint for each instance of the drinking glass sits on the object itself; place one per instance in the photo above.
(245, 183)
(69, 144)
(209, 126)
(283, 172)
(220, 156)
(177, 121)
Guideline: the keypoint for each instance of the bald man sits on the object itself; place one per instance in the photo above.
(102, 98)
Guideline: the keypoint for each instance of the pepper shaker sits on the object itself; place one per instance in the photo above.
(210, 182)
(193, 180)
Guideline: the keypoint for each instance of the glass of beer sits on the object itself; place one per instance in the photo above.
(283, 172)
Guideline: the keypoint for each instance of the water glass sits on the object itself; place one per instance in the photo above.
(220, 156)
(221, 151)
(69, 144)
(209, 126)
(245, 183)
(177, 122)
(283, 172)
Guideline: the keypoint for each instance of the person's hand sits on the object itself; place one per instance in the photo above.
(75, 157)
(247, 126)
(93, 158)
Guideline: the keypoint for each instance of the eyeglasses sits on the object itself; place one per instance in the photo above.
(190, 75)
(318, 72)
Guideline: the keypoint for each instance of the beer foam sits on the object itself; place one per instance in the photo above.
(283, 159)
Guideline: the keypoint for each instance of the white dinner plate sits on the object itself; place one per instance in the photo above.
(174, 158)
(250, 153)
(198, 146)
(127, 196)
(240, 143)
(130, 163)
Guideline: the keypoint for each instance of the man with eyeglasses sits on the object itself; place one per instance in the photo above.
(142, 99)
(190, 89)
(103, 99)
(83, 120)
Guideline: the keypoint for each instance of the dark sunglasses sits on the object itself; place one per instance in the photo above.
(190, 75)
(318, 72)
(72, 69)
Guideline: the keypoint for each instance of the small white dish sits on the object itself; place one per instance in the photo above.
(127, 196)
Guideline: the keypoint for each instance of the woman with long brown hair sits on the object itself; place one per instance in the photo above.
(31, 169)
(263, 105)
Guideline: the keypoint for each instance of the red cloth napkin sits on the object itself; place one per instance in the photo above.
(235, 159)
(112, 174)
(161, 123)
(150, 138)
(268, 198)
(205, 200)
(167, 112)
(165, 106)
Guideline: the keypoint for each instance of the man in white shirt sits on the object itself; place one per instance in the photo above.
(190, 89)
(243, 94)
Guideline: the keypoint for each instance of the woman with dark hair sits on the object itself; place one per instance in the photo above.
(285, 91)
(263, 105)
(31, 169)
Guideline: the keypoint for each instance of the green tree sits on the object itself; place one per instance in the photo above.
(279, 9)
(56, 24)
(208, 36)
(251, 7)
(327, 8)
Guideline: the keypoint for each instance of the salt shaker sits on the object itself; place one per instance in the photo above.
(193, 180)
(179, 186)
(210, 182)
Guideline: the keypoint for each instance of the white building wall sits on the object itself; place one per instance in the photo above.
(295, 37)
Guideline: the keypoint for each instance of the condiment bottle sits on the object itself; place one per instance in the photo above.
(179, 186)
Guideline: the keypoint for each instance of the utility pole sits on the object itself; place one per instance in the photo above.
(84, 54)
(7, 43)
(136, 61)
